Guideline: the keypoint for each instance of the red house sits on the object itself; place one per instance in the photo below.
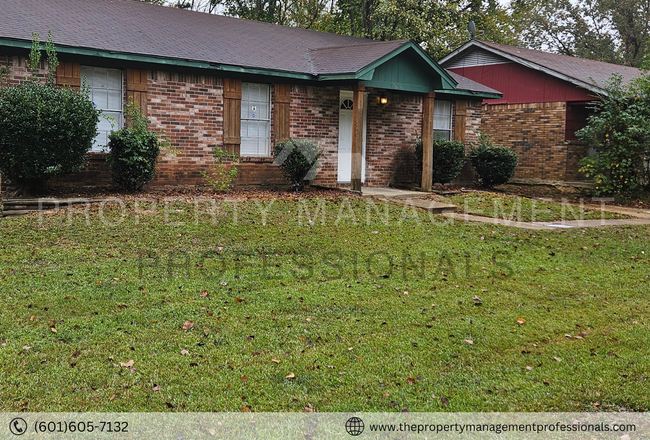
(545, 101)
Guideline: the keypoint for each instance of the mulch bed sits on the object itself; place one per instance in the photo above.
(161, 192)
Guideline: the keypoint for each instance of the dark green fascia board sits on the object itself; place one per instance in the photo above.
(403, 87)
(152, 59)
(447, 81)
(366, 76)
(467, 93)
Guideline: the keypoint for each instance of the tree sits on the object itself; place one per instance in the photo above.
(614, 31)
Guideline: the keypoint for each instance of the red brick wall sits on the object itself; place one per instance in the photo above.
(536, 132)
(391, 132)
(189, 110)
(314, 116)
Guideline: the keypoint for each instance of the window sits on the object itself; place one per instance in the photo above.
(442, 120)
(106, 92)
(255, 120)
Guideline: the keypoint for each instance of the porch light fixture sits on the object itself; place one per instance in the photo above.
(383, 100)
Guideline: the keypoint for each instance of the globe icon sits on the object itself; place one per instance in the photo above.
(354, 426)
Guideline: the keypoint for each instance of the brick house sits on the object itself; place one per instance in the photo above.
(546, 99)
(211, 81)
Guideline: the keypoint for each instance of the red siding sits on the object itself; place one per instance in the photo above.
(521, 85)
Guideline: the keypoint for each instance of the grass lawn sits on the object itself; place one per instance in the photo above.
(510, 207)
(155, 315)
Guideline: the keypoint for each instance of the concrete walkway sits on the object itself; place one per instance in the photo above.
(412, 198)
(418, 199)
(567, 224)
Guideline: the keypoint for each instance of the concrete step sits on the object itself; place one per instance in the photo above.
(12, 213)
(427, 205)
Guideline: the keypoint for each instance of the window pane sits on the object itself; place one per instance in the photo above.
(442, 115)
(115, 79)
(114, 100)
(255, 124)
(444, 135)
(106, 92)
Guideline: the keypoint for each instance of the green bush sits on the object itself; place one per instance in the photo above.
(494, 165)
(619, 131)
(448, 159)
(298, 161)
(133, 151)
(220, 178)
(45, 131)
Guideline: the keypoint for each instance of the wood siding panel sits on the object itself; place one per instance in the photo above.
(460, 121)
(521, 85)
(281, 109)
(68, 74)
(232, 115)
(136, 88)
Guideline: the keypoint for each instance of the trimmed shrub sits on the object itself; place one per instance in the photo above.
(45, 131)
(133, 151)
(494, 165)
(448, 159)
(298, 161)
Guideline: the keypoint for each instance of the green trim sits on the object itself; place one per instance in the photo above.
(152, 59)
(447, 81)
(468, 93)
(400, 87)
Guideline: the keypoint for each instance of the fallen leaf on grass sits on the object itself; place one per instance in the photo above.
(128, 364)
(277, 361)
(245, 409)
(188, 325)
(212, 431)
(445, 401)
(469, 341)
(204, 293)
(386, 395)
(110, 399)
(156, 388)
(26, 347)
(53, 330)
(31, 318)
(529, 368)
(521, 321)
(290, 376)
(4, 343)
(132, 370)
(240, 300)
(557, 358)
(184, 352)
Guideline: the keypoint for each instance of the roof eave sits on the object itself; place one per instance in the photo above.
(472, 94)
(153, 59)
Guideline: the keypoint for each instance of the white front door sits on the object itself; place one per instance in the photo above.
(346, 105)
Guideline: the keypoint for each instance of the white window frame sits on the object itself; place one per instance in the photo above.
(442, 122)
(116, 113)
(260, 151)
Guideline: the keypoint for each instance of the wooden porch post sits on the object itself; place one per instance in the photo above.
(427, 141)
(357, 136)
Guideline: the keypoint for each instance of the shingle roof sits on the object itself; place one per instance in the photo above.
(133, 27)
(591, 74)
(470, 85)
(351, 58)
